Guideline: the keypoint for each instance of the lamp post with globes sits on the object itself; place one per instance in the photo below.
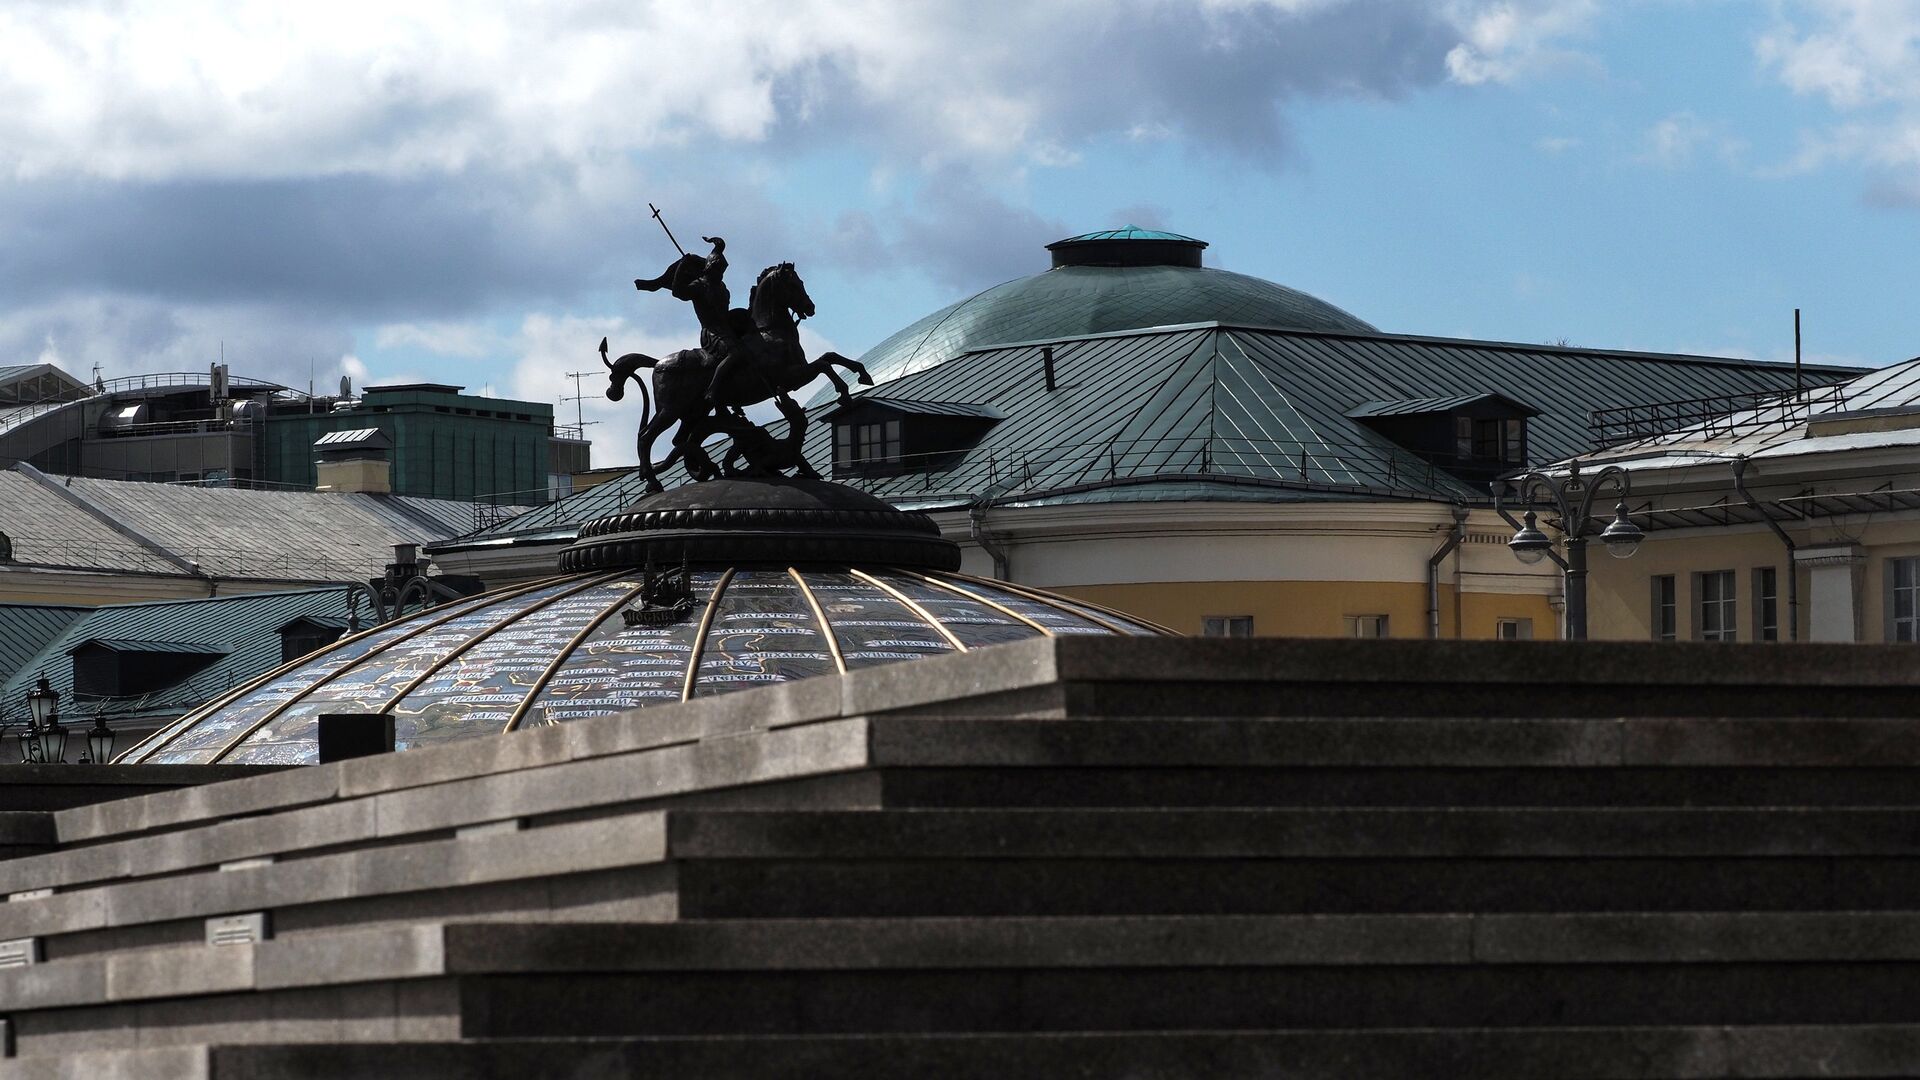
(47, 741)
(1573, 497)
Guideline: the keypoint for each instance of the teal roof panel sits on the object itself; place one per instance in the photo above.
(1206, 410)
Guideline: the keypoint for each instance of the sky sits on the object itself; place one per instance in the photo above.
(458, 191)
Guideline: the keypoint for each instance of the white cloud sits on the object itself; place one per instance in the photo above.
(1506, 40)
(1677, 140)
(1555, 144)
(161, 89)
(440, 338)
(1863, 58)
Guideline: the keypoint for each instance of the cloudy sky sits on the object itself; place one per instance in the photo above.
(458, 191)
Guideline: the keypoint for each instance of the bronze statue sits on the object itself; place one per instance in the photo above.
(746, 356)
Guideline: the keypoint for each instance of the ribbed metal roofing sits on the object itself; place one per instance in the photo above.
(150, 645)
(1127, 232)
(229, 532)
(1231, 413)
(561, 649)
(26, 629)
(1422, 406)
(1076, 301)
(246, 627)
(930, 408)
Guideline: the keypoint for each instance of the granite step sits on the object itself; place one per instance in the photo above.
(812, 977)
(607, 868)
(1131, 862)
(1222, 786)
(1578, 1053)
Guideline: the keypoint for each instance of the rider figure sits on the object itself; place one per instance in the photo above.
(702, 282)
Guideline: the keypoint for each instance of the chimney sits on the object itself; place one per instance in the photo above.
(354, 461)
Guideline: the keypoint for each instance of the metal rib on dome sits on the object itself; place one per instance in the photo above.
(561, 649)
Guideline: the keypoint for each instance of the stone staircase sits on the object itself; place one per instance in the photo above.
(1080, 857)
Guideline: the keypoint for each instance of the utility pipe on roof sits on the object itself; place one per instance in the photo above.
(1454, 539)
(1793, 571)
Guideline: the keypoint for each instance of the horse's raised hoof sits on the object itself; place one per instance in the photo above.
(655, 487)
(866, 379)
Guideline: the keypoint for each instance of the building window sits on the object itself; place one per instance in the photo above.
(1490, 440)
(1368, 626)
(1226, 626)
(1666, 609)
(1903, 599)
(1714, 615)
(866, 444)
(1513, 629)
(1766, 604)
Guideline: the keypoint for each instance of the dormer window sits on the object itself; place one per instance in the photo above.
(865, 446)
(1476, 437)
(306, 634)
(123, 667)
(888, 436)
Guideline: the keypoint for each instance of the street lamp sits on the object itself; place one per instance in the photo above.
(1573, 497)
(46, 741)
(99, 741)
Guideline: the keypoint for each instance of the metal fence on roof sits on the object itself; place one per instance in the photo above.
(1722, 414)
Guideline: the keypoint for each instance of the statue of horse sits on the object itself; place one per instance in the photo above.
(769, 331)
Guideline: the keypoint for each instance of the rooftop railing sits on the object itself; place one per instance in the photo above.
(1724, 414)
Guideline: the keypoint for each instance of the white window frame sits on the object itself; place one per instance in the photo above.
(1716, 617)
(1367, 626)
(1907, 567)
(1522, 629)
(1228, 626)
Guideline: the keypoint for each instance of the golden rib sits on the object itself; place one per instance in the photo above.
(526, 704)
(274, 713)
(911, 606)
(459, 608)
(166, 733)
(820, 616)
(1001, 608)
(1095, 612)
(700, 638)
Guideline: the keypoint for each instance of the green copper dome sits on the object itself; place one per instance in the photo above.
(1101, 283)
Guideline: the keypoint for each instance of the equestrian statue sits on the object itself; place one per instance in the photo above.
(746, 356)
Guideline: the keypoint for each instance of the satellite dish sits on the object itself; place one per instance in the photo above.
(346, 386)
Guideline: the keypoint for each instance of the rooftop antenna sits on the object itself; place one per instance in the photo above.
(1796, 350)
(579, 410)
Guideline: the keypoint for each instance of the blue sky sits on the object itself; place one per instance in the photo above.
(457, 193)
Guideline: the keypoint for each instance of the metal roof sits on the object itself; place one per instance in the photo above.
(247, 627)
(1811, 421)
(1420, 406)
(1127, 232)
(925, 408)
(26, 629)
(1076, 301)
(230, 532)
(148, 645)
(1213, 408)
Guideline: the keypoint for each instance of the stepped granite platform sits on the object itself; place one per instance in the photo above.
(1078, 856)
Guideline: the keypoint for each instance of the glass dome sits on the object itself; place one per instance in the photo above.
(561, 649)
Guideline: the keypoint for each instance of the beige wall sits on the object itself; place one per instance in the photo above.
(1620, 591)
(1319, 608)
